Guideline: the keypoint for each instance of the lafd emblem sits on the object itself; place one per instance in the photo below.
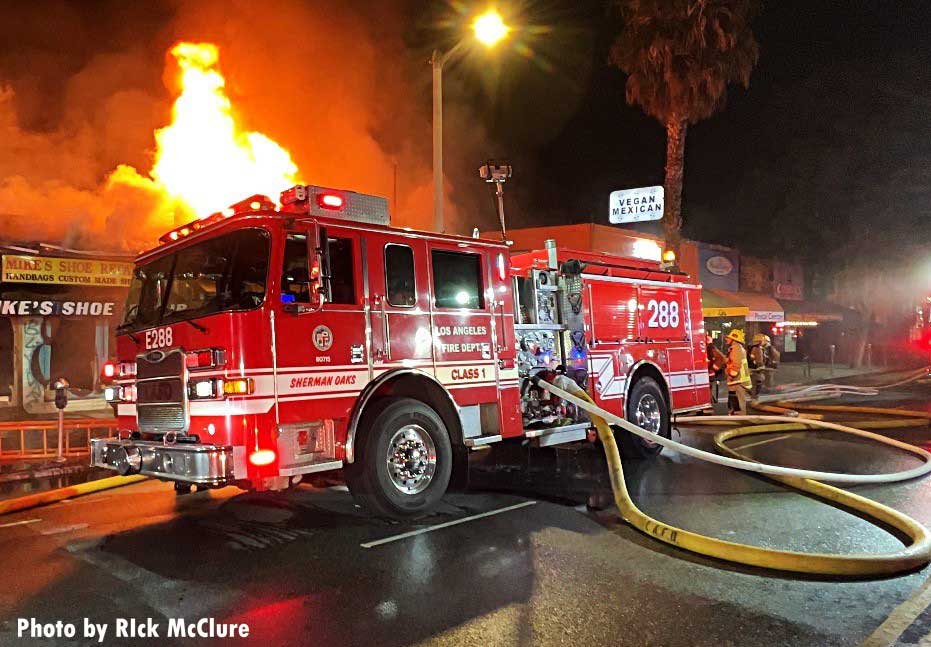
(322, 338)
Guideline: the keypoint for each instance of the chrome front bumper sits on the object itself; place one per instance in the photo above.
(190, 463)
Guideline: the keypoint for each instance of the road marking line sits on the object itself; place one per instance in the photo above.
(762, 442)
(414, 533)
(88, 499)
(19, 523)
(901, 618)
(61, 529)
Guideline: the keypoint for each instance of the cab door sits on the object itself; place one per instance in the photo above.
(321, 347)
(399, 302)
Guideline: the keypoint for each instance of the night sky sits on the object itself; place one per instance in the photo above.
(829, 148)
(828, 151)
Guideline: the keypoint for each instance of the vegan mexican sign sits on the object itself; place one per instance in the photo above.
(65, 271)
(636, 205)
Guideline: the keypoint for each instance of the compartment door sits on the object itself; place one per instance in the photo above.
(664, 323)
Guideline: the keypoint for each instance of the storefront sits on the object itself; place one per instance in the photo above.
(721, 316)
(58, 313)
(817, 331)
(725, 310)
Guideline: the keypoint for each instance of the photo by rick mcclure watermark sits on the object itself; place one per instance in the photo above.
(131, 628)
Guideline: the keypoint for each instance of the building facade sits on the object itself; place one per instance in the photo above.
(58, 313)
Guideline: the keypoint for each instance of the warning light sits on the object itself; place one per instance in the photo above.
(329, 201)
(109, 369)
(207, 358)
(243, 386)
(255, 205)
(262, 457)
(669, 256)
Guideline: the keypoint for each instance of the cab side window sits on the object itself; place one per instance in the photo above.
(339, 277)
(295, 275)
(399, 275)
(457, 280)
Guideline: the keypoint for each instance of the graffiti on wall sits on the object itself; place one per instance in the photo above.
(37, 361)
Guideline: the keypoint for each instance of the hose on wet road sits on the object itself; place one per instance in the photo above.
(915, 554)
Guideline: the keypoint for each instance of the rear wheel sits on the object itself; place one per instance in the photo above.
(646, 408)
(404, 459)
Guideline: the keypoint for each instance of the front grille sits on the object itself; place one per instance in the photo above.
(161, 401)
(169, 390)
(161, 418)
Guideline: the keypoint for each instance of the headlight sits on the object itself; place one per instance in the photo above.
(207, 389)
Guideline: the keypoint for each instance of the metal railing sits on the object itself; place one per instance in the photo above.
(39, 438)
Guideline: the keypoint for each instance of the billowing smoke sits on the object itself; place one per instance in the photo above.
(82, 93)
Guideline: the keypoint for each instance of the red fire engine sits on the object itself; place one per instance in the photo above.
(266, 343)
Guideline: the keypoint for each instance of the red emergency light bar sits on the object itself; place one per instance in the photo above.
(335, 203)
(254, 203)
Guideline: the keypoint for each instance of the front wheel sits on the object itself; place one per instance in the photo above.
(405, 459)
(646, 408)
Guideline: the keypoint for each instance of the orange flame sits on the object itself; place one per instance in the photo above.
(204, 161)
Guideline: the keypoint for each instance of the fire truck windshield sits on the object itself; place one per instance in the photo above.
(227, 272)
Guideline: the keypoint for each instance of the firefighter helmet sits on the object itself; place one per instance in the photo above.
(737, 335)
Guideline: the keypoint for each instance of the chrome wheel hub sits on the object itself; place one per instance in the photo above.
(649, 416)
(411, 459)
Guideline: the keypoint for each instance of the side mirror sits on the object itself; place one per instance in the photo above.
(315, 285)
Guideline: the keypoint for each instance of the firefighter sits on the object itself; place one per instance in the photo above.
(757, 363)
(716, 362)
(738, 373)
(763, 360)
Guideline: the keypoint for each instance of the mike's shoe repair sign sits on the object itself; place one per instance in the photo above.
(52, 270)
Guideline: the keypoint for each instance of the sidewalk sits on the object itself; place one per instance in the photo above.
(29, 477)
(802, 372)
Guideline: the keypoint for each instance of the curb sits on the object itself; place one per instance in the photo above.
(44, 472)
(51, 496)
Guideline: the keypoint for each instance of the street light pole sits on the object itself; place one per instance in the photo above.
(437, 62)
(489, 29)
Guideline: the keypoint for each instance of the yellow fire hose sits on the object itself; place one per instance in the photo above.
(51, 496)
(915, 554)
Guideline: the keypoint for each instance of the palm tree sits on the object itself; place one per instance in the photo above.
(679, 57)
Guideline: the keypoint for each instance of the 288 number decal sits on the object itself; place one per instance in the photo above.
(663, 314)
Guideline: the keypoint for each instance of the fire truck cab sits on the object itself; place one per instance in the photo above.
(267, 343)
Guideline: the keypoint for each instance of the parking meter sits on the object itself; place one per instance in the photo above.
(61, 401)
(61, 393)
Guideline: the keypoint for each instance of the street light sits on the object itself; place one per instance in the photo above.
(489, 29)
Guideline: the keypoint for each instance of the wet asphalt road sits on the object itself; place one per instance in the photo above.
(299, 568)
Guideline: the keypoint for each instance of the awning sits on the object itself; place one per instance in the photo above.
(715, 305)
(754, 306)
(817, 311)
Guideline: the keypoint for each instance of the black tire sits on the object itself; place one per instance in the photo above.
(645, 395)
(381, 490)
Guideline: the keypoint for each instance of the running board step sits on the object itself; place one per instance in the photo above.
(557, 435)
(478, 441)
